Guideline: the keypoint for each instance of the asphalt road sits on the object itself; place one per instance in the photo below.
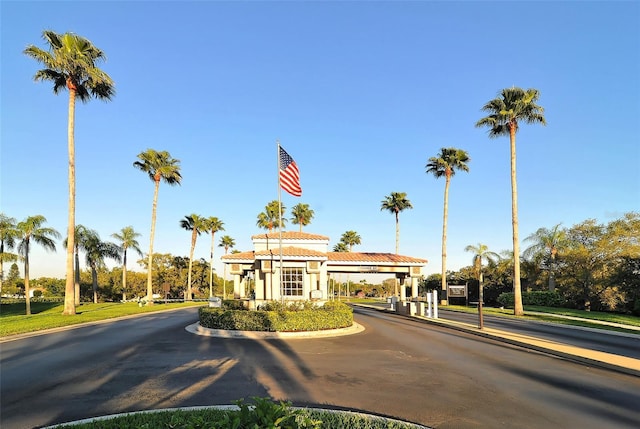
(594, 339)
(397, 367)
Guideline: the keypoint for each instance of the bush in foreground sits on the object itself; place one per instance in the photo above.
(263, 413)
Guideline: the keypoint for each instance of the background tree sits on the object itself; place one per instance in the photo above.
(350, 239)
(227, 243)
(32, 229)
(128, 240)
(160, 166)
(445, 164)
(340, 247)
(8, 235)
(70, 63)
(301, 215)
(395, 203)
(268, 219)
(514, 105)
(212, 225)
(96, 251)
(196, 224)
(481, 252)
(544, 248)
(82, 234)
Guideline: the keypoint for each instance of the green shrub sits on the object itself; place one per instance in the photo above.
(267, 414)
(537, 298)
(278, 317)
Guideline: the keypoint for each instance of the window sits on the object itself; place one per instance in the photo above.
(292, 281)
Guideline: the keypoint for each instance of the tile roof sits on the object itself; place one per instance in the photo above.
(355, 257)
(292, 251)
(290, 235)
(373, 257)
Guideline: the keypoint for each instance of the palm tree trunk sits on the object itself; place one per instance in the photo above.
(69, 291)
(188, 296)
(124, 274)
(211, 266)
(153, 231)
(445, 216)
(26, 278)
(94, 278)
(397, 233)
(518, 309)
(76, 285)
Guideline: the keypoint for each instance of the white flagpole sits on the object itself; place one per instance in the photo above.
(280, 223)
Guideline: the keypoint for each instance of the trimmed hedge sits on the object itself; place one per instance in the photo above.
(538, 298)
(292, 318)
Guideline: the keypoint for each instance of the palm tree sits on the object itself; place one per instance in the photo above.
(8, 235)
(546, 243)
(212, 225)
(227, 242)
(350, 239)
(81, 236)
(340, 247)
(160, 166)
(269, 218)
(128, 240)
(196, 224)
(31, 229)
(301, 215)
(481, 252)
(446, 163)
(70, 63)
(96, 251)
(505, 112)
(395, 203)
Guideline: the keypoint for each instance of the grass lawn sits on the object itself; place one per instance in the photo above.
(555, 315)
(46, 315)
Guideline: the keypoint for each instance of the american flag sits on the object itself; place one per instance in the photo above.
(289, 174)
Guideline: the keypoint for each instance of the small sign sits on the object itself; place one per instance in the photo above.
(368, 269)
(316, 294)
(457, 291)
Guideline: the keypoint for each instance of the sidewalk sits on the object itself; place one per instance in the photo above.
(586, 356)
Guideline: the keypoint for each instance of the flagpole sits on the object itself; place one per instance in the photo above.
(280, 220)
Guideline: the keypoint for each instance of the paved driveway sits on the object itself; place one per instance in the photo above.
(397, 367)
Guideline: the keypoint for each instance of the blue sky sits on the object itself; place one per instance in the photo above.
(360, 94)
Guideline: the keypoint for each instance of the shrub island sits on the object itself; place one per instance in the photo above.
(277, 317)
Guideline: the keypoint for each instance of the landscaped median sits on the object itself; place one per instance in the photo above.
(278, 317)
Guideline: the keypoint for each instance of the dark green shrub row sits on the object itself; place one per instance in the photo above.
(539, 298)
(305, 317)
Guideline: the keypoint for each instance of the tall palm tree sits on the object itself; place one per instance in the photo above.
(81, 236)
(32, 229)
(301, 215)
(70, 63)
(481, 252)
(160, 166)
(196, 224)
(96, 251)
(514, 105)
(446, 163)
(546, 243)
(212, 225)
(227, 243)
(395, 203)
(8, 235)
(128, 240)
